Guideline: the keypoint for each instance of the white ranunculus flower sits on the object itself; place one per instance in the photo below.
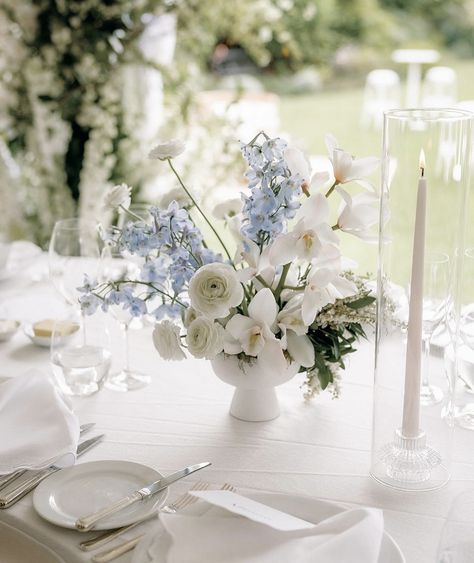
(189, 316)
(167, 342)
(166, 150)
(214, 290)
(205, 338)
(116, 196)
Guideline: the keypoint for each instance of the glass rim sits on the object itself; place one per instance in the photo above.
(428, 114)
(73, 223)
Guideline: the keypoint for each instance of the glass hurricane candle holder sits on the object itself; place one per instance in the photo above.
(422, 215)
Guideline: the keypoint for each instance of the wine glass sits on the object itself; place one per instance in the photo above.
(456, 544)
(81, 358)
(435, 307)
(139, 210)
(115, 265)
(74, 250)
(464, 401)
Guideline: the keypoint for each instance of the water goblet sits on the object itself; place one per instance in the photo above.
(464, 364)
(74, 250)
(115, 265)
(435, 308)
(81, 358)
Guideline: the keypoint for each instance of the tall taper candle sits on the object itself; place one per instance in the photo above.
(411, 399)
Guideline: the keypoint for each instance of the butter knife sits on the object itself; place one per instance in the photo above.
(13, 494)
(85, 523)
(7, 479)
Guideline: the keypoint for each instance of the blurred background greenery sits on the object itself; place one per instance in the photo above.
(79, 112)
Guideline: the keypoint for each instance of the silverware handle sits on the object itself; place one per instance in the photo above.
(106, 537)
(85, 523)
(7, 479)
(111, 554)
(10, 497)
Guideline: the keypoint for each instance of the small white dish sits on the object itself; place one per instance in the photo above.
(8, 328)
(88, 487)
(45, 341)
(154, 546)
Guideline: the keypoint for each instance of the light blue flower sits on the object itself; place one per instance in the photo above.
(89, 303)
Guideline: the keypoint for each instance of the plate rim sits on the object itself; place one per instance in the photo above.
(255, 494)
(45, 486)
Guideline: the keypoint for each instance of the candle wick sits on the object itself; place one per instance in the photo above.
(422, 171)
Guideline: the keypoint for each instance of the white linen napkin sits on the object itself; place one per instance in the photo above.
(37, 425)
(353, 536)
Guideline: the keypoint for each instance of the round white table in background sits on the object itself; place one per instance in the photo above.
(414, 58)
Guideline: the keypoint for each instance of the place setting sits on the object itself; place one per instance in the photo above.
(236, 282)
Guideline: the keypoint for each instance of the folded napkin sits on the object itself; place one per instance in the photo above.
(353, 536)
(37, 425)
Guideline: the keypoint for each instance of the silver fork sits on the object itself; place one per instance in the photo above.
(180, 502)
(184, 501)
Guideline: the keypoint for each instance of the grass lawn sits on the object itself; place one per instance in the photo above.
(309, 117)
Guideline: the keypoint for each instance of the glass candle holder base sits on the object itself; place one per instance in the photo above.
(127, 381)
(409, 464)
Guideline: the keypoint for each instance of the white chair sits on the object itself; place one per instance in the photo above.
(382, 92)
(439, 88)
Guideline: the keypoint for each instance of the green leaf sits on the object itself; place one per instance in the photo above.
(361, 303)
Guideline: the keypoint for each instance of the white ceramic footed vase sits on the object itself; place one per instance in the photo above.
(255, 399)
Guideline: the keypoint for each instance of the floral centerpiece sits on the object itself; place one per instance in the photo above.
(282, 304)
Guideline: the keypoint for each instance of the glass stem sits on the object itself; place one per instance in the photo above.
(127, 348)
(83, 320)
(425, 382)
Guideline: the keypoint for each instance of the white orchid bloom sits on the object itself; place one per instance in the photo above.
(294, 339)
(311, 233)
(324, 286)
(229, 211)
(298, 163)
(258, 262)
(357, 214)
(227, 208)
(347, 168)
(255, 331)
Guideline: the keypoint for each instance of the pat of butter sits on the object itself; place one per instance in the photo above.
(46, 328)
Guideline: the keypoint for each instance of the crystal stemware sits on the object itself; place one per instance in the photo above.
(81, 355)
(74, 251)
(435, 306)
(116, 265)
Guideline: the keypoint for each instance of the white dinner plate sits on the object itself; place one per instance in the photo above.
(153, 549)
(83, 489)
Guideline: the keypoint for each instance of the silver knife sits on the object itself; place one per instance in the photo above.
(85, 523)
(14, 493)
(7, 479)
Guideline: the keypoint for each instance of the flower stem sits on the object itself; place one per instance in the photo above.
(262, 281)
(281, 283)
(199, 209)
(131, 213)
(331, 189)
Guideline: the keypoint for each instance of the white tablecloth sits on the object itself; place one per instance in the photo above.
(320, 449)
